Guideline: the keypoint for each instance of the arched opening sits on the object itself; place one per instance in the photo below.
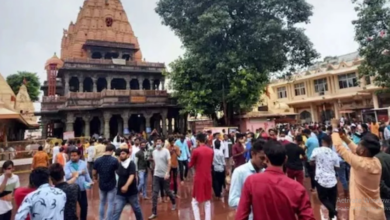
(94, 126)
(115, 55)
(156, 84)
(327, 115)
(155, 122)
(146, 84)
(74, 84)
(305, 116)
(136, 123)
(96, 55)
(126, 57)
(101, 84)
(88, 85)
(118, 84)
(134, 85)
(58, 129)
(78, 127)
(107, 56)
(116, 126)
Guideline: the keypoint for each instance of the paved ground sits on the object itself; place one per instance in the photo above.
(220, 209)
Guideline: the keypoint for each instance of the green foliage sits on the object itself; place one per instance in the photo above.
(374, 18)
(32, 83)
(232, 46)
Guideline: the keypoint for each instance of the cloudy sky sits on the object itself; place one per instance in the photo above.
(31, 31)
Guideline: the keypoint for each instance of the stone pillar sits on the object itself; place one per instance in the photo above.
(108, 79)
(107, 117)
(94, 80)
(170, 125)
(336, 110)
(162, 82)
(375, 100)
(81, 84)
(45, 122)
(164, 122)
(70, 119)
(127, 79)
(66, 79)
(151, 81)
(141, 83)
(87, 129)
(147, 120)
(125, 117)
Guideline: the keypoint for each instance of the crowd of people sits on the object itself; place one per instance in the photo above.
(261, 173)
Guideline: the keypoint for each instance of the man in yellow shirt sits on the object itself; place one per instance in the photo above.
(100, 149)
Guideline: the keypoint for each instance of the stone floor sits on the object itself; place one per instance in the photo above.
(220, 209)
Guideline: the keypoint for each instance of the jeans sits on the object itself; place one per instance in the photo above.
(173, 175)
(83, 203)
(218, 182)
(328, 197)
(142, 178)
(6, 216)
(183, 167)
(158, 184)
(311, 170)
(106, 197)
(121, 201)
(342, 173)
(90, 168)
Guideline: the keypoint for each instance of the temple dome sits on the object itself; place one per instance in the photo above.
(7, 96)
(54, 60)
(99, 20)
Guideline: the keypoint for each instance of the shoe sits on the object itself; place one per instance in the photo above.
(153, 216)
(173, 207)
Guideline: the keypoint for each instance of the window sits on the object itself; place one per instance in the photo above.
(320, 85)
(368, 80)
(282, 93)
(299, 89)
(348, 80)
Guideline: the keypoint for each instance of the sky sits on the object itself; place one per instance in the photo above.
(31, 31)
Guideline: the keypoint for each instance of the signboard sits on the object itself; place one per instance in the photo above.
(68, 135)
(137, 99)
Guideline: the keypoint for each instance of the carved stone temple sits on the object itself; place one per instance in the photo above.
(101, 84)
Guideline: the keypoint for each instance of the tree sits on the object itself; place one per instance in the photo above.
(232, 47)
(30, 79)
(372, 27)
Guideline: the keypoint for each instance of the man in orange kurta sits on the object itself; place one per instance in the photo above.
(202, 159)
(365, 201)
(40, 159)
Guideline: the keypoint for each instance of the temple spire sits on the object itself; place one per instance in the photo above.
(103, 20)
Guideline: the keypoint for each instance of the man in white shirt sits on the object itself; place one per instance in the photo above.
(90, 156)
(219, 169)
(56, 150)
(8, 183)
(135, 148)
(325, 161)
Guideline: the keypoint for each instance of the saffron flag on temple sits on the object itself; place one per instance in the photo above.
(24, 81)
(13, 99)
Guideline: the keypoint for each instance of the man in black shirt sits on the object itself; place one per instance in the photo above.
(294, 164)
(72, 191)
(105, 166)
(127, 187)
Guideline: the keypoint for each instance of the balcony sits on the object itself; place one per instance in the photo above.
(109, 65)
(106, 98)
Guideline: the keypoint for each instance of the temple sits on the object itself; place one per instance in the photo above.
(101, 84)
(16, 113)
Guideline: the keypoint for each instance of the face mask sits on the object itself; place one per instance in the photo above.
(159, 146)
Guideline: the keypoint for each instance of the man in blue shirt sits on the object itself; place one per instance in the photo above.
(311, 144)
(84, 180)
(183, 159)
(105, 166)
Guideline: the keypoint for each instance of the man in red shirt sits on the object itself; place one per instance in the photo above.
(239, 150)
(202, 159)
(272, 195)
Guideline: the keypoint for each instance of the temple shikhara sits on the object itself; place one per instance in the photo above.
(16, 113)
(101, 84)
